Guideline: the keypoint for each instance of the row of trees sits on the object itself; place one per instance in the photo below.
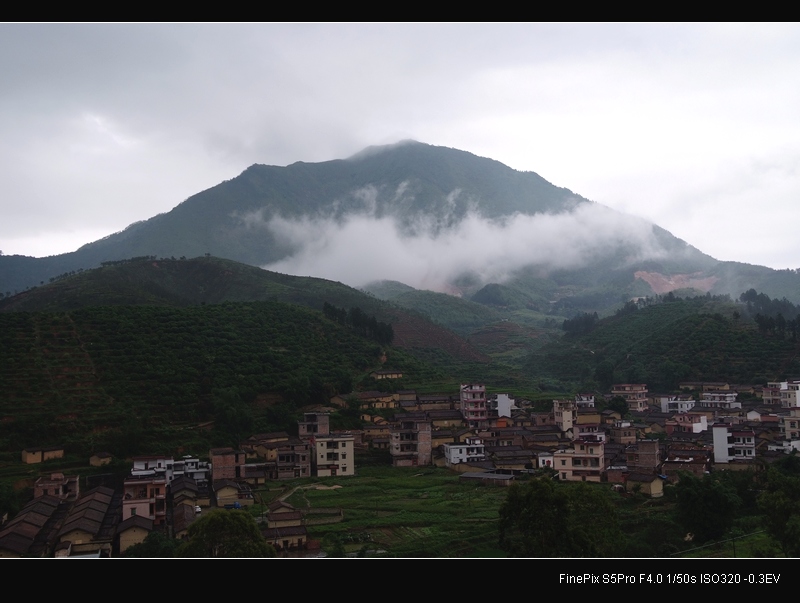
(773, 316)
(544, 518)
(138, 258)
(778, 325)
(580, 325)
(760, 303)
(363, 324)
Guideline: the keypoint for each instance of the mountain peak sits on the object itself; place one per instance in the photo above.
(409, 211)
(378, 149)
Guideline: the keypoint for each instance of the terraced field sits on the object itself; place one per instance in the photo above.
(407, 512)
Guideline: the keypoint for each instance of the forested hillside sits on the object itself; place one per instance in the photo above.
(665, 341)
(142, 378)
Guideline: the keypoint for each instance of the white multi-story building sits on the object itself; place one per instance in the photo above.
(789, 396)
(472, 450)
(193, 467)
(169, 469)
(733, 444)
(720, 400)
(334, 455)
(673, 404)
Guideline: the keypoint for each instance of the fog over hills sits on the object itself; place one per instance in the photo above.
(430, 217)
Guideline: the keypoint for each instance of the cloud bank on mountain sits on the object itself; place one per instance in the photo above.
(430, 252)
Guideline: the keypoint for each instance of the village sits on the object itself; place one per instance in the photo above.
(639, 442)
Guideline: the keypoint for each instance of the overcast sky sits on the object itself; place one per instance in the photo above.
(694, 127)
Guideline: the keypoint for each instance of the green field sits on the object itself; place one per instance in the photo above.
(399, 512)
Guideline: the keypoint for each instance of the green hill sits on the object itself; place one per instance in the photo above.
(134, 378)
(701, 339)
(140, 353)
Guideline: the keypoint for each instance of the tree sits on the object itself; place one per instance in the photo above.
(533, 520)
(706, 507)
(545, 519)
(604, 374)
(618, 404)
(332, 543)
(156, 545)
(10, 500)
(782, 511)
(225, 534)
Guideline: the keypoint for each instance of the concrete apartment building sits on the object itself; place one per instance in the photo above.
(334, 454)
(635, 395)
(733, 444)
(585, 461)
(411, 441)
(473, 405)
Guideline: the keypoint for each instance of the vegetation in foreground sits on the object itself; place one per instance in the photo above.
(430, 512)
(755, 512)
(402, 512)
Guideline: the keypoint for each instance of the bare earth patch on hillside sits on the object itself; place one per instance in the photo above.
(661, 284)
(411, 332)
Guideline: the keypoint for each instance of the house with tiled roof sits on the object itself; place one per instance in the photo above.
(31, 533)
(91, 523)
(648, 484)
(133, 531)
(285, 529)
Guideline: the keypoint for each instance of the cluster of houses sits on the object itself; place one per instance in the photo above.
(490, 438)
(495, 438)
(168, 494)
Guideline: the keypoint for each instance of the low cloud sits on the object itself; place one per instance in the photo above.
(358, 249)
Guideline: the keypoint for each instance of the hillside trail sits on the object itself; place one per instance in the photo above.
(307, 487)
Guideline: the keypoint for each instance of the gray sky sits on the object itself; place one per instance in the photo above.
(694, 127)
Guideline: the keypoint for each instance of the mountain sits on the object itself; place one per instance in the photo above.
(210, 280)
(432, 217)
